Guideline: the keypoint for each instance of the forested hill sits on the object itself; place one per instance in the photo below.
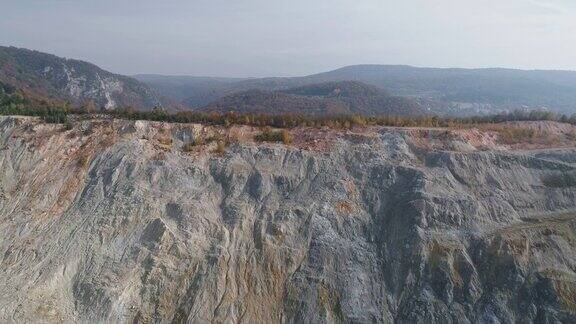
(332, 98)
(449, 90)
(41, 75)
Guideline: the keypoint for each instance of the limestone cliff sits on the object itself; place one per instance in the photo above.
(50, 77)
(114, 221)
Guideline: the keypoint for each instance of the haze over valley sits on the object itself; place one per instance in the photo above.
(446, 92)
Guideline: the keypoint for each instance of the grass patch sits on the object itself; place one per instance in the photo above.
(221, 147)
(512, 134)
(84, 161)
(167, 141)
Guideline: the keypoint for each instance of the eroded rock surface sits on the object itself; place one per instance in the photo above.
(113, 221)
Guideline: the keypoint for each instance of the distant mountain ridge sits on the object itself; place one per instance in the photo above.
(323, 99)
(460, 92)
(78, 82)
(443, 90)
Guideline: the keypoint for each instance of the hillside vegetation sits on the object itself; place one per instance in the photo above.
(445, 91)
(349, 90)
(325, 99)
(54, 78)
(13, 102)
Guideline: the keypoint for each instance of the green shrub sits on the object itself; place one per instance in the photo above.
(54, 116)
(68, 125)
(268, 135)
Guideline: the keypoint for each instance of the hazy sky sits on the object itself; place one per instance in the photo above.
(294, 37)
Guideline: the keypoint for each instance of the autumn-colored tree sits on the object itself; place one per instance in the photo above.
(90, 107)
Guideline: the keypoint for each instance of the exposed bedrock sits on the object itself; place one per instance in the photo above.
(109, 222)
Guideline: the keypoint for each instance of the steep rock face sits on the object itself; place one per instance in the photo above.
(76, 81)
(113, 222)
